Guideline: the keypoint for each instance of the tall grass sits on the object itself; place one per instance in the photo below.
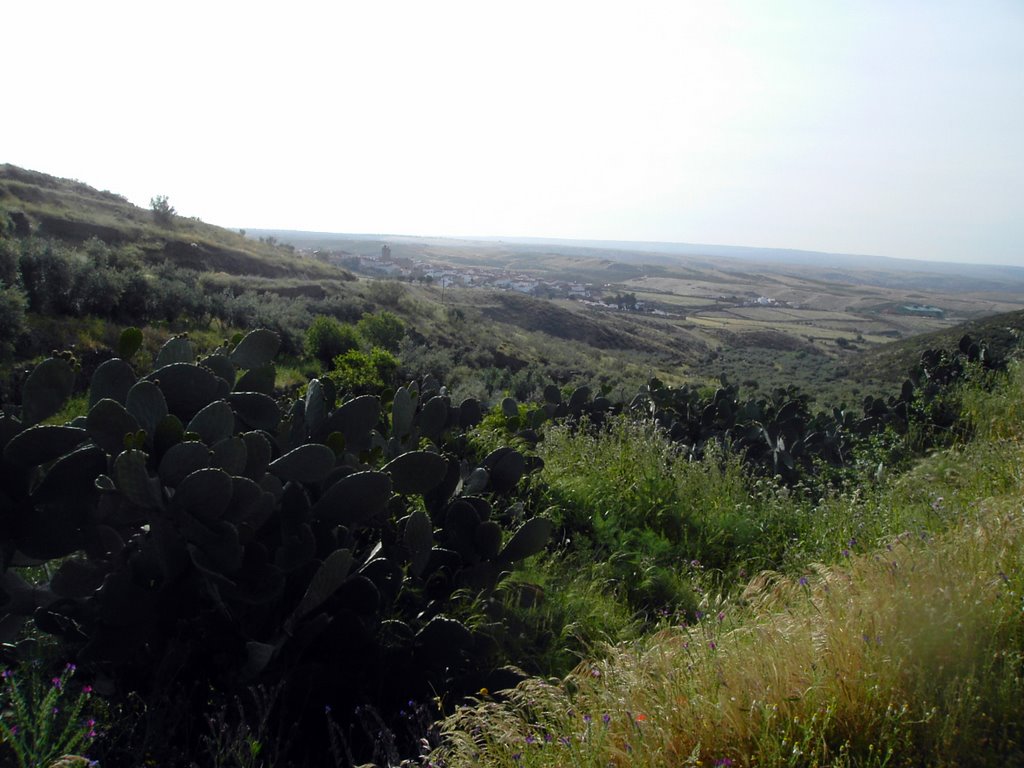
(908, 651)
(628, 487)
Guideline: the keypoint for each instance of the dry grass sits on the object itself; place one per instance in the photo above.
(909, 654)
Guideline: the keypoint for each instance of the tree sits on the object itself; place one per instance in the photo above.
(359, 372)
(382, 329)
(163, 211)
(326, 338)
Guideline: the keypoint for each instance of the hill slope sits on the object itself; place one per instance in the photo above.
(75, 212)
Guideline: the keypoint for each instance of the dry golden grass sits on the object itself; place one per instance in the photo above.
(907, 656)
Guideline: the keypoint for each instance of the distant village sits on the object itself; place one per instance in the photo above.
(386, 265)
(493, 278)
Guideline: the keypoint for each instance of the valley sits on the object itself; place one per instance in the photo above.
(304, 499)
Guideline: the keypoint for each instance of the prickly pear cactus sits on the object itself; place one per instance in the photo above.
(189, 515)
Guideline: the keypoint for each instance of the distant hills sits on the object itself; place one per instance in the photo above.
(505, 312)
(882, 271)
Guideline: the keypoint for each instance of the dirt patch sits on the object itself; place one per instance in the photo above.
(67, 229)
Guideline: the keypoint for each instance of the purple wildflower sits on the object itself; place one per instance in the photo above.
(803, 581)
(606, 718)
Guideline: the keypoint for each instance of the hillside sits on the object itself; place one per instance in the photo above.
(778, 319)
(1002, 334)
(489, 316)
(75, 212)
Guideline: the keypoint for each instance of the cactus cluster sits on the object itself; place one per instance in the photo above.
(777, 433)
(201, 535)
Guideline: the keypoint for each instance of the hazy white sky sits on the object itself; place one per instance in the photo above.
(885, 127)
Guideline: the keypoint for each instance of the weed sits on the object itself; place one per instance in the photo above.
(42, 719)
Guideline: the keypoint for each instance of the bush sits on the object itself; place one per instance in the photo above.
(326, 338)
(163, 211)
(387, 292)
(382, 329)
(628, 497)
(9, 271)
(12, 318)
(361, 372)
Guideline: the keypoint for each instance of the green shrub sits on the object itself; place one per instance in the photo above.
(12, 318)
(364, 372)
(382, 329)
(326, 338)
(628, 497)
(9, 272)
(386, 292)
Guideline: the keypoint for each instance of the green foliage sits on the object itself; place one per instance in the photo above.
(41, 719)
(388, 293)
(381, 329)
(557, 611)
(361, 372)
(10, 273)
(246, 543)
(163, 211)
(129, 342)
(326, 338)
(895, 640)
(629, 499)
(12, 319)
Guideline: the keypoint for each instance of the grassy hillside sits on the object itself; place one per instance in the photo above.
(74, 212)
(767, 322)
(892, 637)
(700, 319)
(1001, 332)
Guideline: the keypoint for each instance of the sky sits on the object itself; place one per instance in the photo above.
(862, 126)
